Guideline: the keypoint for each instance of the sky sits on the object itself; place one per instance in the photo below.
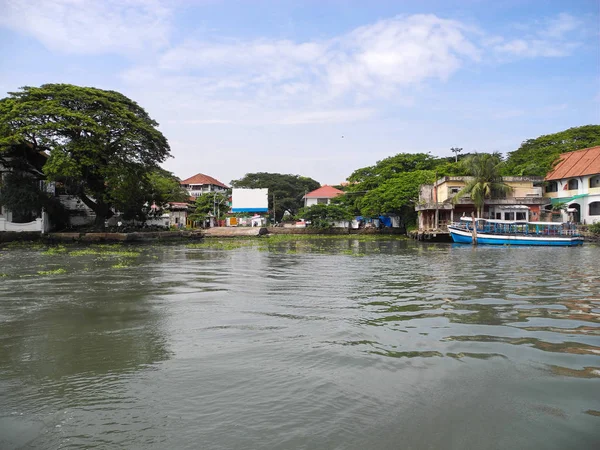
(318, 88)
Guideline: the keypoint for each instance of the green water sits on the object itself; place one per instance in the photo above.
(310, 344)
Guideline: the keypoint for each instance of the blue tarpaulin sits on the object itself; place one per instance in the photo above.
(386, 221)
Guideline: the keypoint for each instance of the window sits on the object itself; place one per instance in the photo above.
(552, 186)
(509, 216)
(321, 201)
(521, 216)
(595, 181)
(454, 190)
(595, 209)
(573, 184)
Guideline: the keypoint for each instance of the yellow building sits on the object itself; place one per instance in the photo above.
(436, 207)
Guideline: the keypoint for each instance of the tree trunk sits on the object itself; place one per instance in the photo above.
(101, 209)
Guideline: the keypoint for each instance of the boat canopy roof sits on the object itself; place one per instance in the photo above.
(513, 222)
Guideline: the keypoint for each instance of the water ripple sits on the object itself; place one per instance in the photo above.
(340, 343)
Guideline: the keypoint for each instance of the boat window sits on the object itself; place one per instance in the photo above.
(595, 209)
(521, 216)
(509, 216)
(573, 184)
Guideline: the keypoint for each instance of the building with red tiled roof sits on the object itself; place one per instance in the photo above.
(575, 181)
(321, 196)
(201, 184)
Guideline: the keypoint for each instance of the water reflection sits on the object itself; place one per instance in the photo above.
(59, 330)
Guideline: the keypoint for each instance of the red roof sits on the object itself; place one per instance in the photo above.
(324, 192)
(200, 178)
(576, 164)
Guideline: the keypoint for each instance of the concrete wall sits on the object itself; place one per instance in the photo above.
(38, 225)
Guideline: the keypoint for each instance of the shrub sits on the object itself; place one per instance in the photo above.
(595, 228)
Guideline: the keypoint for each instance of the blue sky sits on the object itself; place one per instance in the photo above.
(319, 88)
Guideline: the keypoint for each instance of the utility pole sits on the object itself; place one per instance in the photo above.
(474, 223)
(437, 211)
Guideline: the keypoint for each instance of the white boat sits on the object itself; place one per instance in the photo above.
(507, 232)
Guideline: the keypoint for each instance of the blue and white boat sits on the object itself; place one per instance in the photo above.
(506, 232)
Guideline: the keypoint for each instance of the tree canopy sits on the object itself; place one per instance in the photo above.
(286, 189)
(397, 195)
(372, 176)
(536, 157)
(99, 142)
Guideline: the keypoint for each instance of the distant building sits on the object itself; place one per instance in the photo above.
(178, 213)
(575, 182)
(321, 196)
(201, 184)
(523, 202)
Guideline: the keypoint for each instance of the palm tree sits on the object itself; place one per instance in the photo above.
(486, 181)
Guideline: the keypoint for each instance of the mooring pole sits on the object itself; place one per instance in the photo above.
(474, 228)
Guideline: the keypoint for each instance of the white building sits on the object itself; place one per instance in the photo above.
(201, 184)
(575, 182)
(321, 196)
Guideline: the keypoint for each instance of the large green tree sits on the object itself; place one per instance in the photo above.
(486, 182)
(285, 190)
(397, 195)
(133, 194)
(537, 156)
(97, 140)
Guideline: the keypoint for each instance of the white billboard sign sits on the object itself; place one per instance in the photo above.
(249, 200)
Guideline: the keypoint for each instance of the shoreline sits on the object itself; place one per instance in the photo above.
(219, 233)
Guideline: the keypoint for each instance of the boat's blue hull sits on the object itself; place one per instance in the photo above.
(466, 237)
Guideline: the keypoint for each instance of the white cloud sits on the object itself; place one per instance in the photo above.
(558, 27)
(550, 37)
(377, 61)
(95, 26)
(399, 52)
(330, 116)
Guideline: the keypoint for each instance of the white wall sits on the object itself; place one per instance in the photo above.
(36, 225)
(310, 201)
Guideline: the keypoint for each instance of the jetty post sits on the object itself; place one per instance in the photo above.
(474, 223)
